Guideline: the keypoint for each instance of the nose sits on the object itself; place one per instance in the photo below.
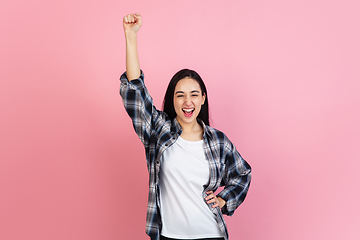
(188, 101)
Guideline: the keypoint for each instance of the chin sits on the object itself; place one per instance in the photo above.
(187, 120)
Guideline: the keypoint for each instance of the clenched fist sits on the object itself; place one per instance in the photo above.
(132, 23)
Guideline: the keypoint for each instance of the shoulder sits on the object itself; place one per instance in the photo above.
(216, 135)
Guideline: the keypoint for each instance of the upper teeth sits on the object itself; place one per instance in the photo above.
(188, 110)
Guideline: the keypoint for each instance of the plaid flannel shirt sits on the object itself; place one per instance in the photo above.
(157, 132)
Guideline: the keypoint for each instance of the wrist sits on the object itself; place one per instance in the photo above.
(130, 35)
(222, 202)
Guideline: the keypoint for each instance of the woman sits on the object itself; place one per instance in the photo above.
(186, 158)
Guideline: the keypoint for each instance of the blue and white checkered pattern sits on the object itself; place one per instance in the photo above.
(157, 132)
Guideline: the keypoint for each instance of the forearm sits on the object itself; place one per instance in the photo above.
(132, 24)
(132, 58)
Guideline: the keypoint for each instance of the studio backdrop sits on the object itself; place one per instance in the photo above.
(283, 84)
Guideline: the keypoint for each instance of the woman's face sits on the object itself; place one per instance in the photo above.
(187, 100)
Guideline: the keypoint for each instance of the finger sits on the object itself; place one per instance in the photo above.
(128, 17)
(216, 203)
(212, 200)
(138, 19)
(132, 18)
(209, 193)
(209, 196)
(137, 16)
(125, 19)
(212, 195)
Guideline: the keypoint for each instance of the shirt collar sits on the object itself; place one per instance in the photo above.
(176, 128)
(206, 129)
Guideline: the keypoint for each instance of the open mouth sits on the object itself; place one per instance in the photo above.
(188, 111)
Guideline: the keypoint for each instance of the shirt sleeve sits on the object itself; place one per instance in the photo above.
(236, 179)
(139, 105)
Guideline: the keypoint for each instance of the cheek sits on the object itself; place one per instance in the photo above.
(177, 104)
(200, 102)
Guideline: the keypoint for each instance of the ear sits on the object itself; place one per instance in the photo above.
(203, 99)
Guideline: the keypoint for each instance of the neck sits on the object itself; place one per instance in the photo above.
(192, 127)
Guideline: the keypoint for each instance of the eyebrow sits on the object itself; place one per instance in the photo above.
(193, 91)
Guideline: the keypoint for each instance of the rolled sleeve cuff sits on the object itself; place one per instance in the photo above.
(136, 83)
(226, 196)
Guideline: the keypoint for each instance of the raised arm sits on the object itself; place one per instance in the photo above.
(132, 24)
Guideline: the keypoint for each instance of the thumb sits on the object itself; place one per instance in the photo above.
(137, 16)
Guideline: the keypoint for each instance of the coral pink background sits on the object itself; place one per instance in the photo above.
(283, 82)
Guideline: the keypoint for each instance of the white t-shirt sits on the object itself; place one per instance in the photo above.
(184, 171)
